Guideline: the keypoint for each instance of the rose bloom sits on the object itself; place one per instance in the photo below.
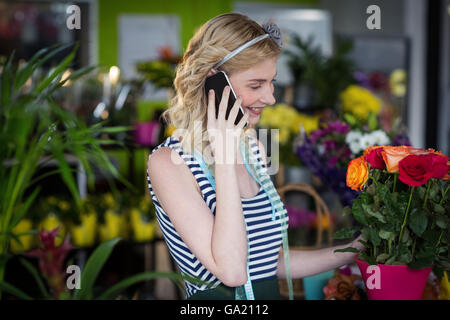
(393, 155)
(374, 156)
(416, 170)
(357, 173)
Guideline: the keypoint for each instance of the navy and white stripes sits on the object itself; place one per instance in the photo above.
(264, 233)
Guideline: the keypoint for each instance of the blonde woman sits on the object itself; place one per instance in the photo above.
(219, 212)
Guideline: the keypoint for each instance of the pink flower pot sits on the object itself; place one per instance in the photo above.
(388, 282)
(147, 133)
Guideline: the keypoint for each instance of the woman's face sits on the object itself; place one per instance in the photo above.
(255, 87)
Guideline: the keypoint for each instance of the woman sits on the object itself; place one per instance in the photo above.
(207, 194)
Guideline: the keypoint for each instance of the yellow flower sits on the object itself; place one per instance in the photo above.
(397, 82)
(112, 226)
(51, 222)
(359, 102)
(64, 205)
(309, 123)
(83, 235)
(109, 200)
(26, 241)
(142, 231)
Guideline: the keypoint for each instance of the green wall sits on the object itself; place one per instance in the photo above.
(192, 13)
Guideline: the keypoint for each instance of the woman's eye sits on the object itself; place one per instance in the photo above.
(255, 88)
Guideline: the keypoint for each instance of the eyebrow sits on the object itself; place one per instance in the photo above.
(261, 80)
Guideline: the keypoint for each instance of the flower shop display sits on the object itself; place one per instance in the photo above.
(287, 120)
(328, 150)
(403, 211)
(36, 130)
(51, 276)
(345, 285)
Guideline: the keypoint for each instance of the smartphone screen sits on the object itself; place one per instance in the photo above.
(217, 82)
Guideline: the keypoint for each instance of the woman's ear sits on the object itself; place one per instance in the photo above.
(211, 72)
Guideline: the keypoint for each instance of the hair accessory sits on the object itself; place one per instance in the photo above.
(274, 32)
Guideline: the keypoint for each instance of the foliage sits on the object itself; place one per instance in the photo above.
(328, 76)
(403, 210)
(50, 266)
(34, 130)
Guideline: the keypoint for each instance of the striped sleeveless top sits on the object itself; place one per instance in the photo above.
(264, 234)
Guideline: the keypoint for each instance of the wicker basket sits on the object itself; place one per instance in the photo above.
(321, 209)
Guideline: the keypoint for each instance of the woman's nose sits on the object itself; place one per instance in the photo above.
(267, 97)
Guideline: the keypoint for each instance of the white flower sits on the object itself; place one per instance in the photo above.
(355, 147)
(366, 141)
(353, 136)
(379, 138)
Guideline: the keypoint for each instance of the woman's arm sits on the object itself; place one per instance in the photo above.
(306, 263)
(219, 241)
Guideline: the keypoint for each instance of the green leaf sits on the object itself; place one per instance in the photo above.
(24, 209)
(376, 214)
(358, 212)
(441, 223)
(386, 235)
(14, 291)
(93, 267)
(345, 233)
(35, 62)
(112, 292)
(418, 221)
(36, 277)
(381, 258)
(348, 249)
(374, 238)
(56, 72)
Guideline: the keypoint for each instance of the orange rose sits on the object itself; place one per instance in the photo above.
(357, 173)
(393, 155)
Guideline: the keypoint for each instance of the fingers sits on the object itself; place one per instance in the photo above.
(211, 106)
(224, 103)
(234, 110)
(243, 121)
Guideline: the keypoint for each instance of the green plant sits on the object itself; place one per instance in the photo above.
(51, 259)
(404, 213)
(327, 76)
(35, 130)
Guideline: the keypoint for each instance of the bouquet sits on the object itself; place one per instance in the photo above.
(403, 207)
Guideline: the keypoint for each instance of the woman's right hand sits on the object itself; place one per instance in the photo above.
(223, 134)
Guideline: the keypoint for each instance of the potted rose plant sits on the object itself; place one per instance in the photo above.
(403, 212)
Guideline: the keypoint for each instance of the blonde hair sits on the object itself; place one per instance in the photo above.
(210, 43)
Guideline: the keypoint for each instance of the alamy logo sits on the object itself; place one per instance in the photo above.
(74, 280)
(374, 280)
(73, 21)
(374, 20)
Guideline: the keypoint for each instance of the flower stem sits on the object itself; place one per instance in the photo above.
(443, 196)
(395, 182)
(406, 215)
(426, 194)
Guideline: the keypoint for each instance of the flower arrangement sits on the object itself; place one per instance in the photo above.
(328, 150)
(344, 285)
(288, 120)
(403, 208)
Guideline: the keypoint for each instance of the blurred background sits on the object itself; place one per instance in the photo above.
(353, 73)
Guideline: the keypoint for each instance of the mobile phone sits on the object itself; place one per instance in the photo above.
(217, 82)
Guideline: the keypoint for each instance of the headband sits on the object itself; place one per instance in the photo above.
(272, 31)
